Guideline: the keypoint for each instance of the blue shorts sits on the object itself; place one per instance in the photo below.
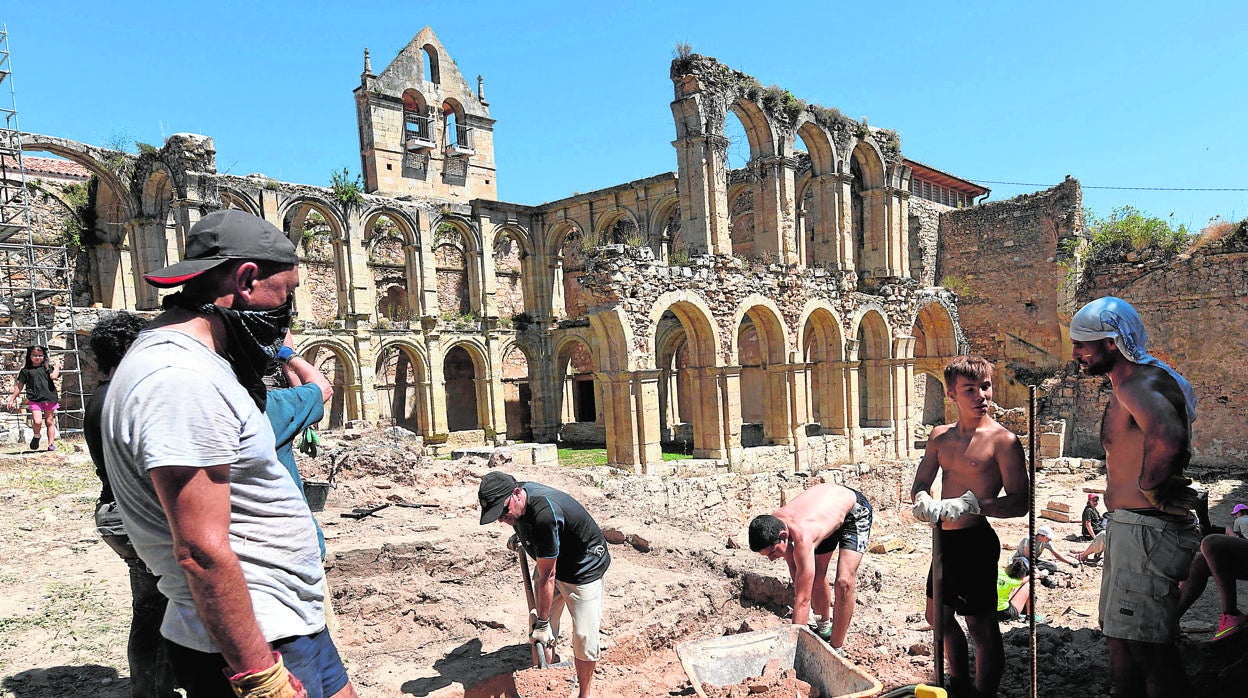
(313, 660)
(854, 533)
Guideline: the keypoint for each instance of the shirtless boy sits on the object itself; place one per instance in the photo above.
(1151, 537)
(978, 458)
(805, 532)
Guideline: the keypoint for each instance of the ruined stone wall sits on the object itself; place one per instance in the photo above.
(924, 229)
(1003, 261)
(1194, 309)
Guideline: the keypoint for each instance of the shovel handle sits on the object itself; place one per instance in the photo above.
(539, 649)
(938, 616)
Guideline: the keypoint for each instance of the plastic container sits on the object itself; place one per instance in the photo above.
(724, 661)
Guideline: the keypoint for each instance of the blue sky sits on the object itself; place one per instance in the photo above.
(1141, 94)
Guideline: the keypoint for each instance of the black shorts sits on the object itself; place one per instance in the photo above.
(969, 582)
(855, 531)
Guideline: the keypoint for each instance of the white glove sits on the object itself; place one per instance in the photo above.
(925, 508)
(954, 509)
(541, 632)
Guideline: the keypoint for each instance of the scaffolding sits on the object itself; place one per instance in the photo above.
(36, 298)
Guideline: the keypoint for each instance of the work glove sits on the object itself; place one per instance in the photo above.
(513, 543)
(274, 682)
(541, 632)
(954, 509)
(925, 508)
(1173, 496)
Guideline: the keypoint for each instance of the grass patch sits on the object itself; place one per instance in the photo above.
(48, 483)
(582, 456)
(676, 456)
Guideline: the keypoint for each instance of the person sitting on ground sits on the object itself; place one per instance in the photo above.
(1013, 594)
(805, 532)
(1092, 518)
(1239, 527)
(1227, 557)
(1044, 535)
(1092, 554)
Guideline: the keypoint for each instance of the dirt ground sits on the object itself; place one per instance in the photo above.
(429, 603)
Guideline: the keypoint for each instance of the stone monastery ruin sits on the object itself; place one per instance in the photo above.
(796, 312)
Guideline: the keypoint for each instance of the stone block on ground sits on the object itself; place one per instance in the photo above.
(1058, 506)
(478, 451)
(1058, 516)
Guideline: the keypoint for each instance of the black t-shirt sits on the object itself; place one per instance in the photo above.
(91, 418)
(38, 382)
(555, 525)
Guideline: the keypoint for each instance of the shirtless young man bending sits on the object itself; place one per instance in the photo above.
(805, 532)
(978, 458)
(1151, 537)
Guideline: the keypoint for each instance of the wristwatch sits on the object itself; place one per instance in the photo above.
(285, 354)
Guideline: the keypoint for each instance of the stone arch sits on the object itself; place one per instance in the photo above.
(316, 227)
(823, 350)
(758, 128)
(403, 385)
(620, 227)
(664, 228)
(516, 376)
(819, 146)
(155, 240)
(418, 127)
(579, 402)
(868, 209)
(759, 343)
(935, 344)
(742, 219)
(464, 370)
(569, 244)
(456, 268)
(511, 253)
(336, 361)
(124, 206)
(874, 374)
(394, 262)
(693, 372)
(232, 198)
(432, 71)
(455, 128)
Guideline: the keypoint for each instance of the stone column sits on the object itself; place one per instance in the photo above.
(437, 378)
(903, 382)
(774, 207)
(702, 179)
(853, 416)
(898, 231)
(366, 407)
(825, 250)
(359, 296)
(494, 388)
(729, 394)
(545, 395)
(777, 424)
(708, 439)
(875, 221)
(843, 221)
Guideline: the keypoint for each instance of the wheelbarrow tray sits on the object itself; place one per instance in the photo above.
(729, 660)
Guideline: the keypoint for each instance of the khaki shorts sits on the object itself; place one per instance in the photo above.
(584, 602)
(1145, 559)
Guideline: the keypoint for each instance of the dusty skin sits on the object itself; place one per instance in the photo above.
(429, 602)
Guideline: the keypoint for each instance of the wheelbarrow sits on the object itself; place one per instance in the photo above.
(724, 661)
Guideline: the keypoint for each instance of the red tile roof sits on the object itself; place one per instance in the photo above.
(53, 167)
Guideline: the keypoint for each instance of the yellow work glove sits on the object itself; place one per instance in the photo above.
(1173, 496)
(274, 682)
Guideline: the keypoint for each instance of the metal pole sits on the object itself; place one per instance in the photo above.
(938, 618)
(539, 650)
(1032, 450)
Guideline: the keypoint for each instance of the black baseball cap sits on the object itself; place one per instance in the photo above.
(495, 488)
(221, 236)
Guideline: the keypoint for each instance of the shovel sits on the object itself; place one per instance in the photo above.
(539, 649)
(938, 622)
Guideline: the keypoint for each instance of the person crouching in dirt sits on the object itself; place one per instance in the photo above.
(805, 532)
(571, 555)
(979, 458)
(1045, 568)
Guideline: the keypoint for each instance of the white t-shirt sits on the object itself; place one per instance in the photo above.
(1240, 526)
(175, 402)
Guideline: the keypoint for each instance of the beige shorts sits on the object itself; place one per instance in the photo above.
(584, 602)
(1145, 559)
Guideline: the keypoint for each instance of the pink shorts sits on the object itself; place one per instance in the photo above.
(44, 406)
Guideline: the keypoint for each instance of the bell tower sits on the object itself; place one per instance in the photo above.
(424, 131)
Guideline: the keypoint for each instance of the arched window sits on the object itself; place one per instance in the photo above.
(431, 64)
(417, 129)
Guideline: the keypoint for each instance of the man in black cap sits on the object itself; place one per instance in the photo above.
(571, 555)
(190, 456)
